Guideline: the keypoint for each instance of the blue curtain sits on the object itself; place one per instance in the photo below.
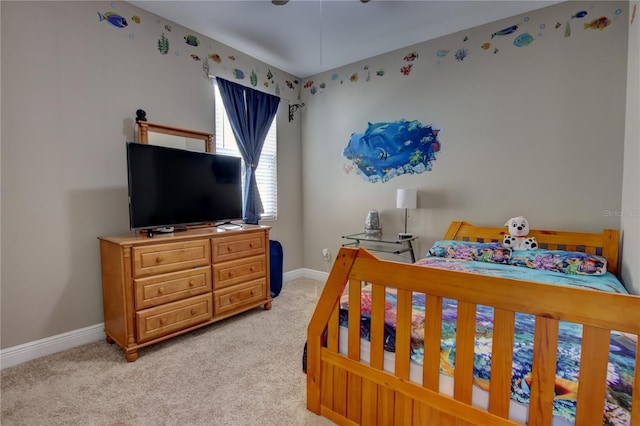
(250, 113)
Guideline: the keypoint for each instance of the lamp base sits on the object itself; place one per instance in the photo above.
(405, 235)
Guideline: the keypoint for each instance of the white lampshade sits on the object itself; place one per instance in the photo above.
(407, 198)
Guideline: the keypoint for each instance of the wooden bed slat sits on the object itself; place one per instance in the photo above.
(385, 405)
(355, 303)
(543, 376)
(432, 337)
(594, 356)
(403, 334)
(501, 362)
(465, 345)
(369, 402)
(354, 404)
(377, 326)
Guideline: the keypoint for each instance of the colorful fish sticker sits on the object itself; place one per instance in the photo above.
(442, 53)
(136, 19)
(598, 24)
(354, 77)
(406, 70)
(410, 57)
(231, 57)
(253, 77)
(215, 58)
(195, 57)
(486, 46)
(580, 14)
(239, 74)
(113, 18)
(558, 25)
(380, 72)
(522, 40)
(567, 30)
(168, 27)
(505, 31)
(289, 84)
(461, 54)
(191, 40)
(307, 84)
(163, 44)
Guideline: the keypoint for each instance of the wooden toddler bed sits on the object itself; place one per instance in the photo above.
(349, 387)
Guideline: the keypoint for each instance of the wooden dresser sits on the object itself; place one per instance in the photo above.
(157, 288)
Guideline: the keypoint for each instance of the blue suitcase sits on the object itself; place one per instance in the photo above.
(275, 252)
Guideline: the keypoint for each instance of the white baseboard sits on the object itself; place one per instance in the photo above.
(49, 345)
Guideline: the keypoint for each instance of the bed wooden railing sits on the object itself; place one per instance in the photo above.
(348, 391)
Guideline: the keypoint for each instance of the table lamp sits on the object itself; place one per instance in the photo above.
(406, 199)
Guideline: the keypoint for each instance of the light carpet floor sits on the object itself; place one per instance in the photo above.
(245, 370)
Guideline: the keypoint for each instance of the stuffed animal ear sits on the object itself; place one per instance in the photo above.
(507, 223)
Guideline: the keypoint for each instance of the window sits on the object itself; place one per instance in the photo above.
(267, 172)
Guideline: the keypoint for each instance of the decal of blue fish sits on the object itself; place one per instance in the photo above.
(580, 14)
(389, 149)
(442, 53)
(113, 18)
(522, 40)
(505, 31)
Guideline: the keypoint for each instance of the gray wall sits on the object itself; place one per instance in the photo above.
(537, 131)
(70, 88)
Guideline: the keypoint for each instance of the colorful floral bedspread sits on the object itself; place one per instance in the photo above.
(622, 347)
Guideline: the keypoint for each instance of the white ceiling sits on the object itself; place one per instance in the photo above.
(306, 37)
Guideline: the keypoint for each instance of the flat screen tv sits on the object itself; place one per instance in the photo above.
(171, 187)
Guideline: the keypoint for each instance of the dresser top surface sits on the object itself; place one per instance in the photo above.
(136, 237)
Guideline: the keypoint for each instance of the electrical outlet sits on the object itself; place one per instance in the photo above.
(326, 254)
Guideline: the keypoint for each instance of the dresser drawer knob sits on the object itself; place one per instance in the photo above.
(229, 248)
(159, 259)
(252, 269)
(251, 245)
(253, 292)
(193, 311)
(191, 283)
(231, 300)
(231, 273)
(163, 321)
(161, 290)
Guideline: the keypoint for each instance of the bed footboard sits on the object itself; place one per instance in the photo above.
(347, 390)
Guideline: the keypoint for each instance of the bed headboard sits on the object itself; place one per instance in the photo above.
(603, 244)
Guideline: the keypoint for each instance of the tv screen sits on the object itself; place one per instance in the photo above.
(173, 187)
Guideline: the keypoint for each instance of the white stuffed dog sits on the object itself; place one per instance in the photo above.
(517, 238)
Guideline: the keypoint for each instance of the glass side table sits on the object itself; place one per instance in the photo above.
(382, 243)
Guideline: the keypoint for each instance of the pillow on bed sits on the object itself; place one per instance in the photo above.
(470, 250)
(568, 262)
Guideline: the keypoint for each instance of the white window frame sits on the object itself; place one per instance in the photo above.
(267, 171)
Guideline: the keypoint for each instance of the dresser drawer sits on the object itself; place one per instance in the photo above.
(174, 316)
(238, 271)
(238, 246)
(161, 258)
(236, 296)
(159, 289)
